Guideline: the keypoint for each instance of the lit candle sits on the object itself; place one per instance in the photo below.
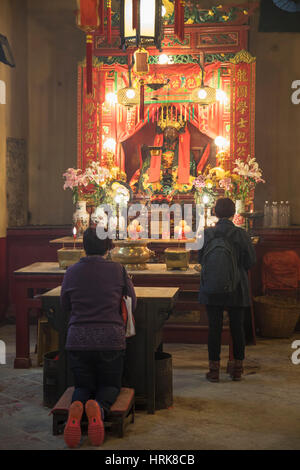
(74, 235)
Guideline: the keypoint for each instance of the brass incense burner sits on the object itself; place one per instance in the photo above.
(69, 256)
(177, 258)
(133, 254)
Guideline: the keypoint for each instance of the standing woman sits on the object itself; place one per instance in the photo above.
(234, 302)
(91, 291)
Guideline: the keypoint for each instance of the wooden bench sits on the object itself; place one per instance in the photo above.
(120, 413)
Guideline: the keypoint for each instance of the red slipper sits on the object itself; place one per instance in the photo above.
(72, 432)
(96, 426)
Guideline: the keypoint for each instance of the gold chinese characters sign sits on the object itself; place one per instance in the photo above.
(90, 117)
(242, 122)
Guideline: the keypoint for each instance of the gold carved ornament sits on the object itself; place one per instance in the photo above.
(243, 56)
(165, 120)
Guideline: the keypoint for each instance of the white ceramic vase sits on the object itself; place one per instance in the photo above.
(238, 220)
(81, 217)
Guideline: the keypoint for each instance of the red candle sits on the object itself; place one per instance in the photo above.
(74, 235)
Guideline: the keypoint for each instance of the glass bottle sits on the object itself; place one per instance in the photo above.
(288, 213)
(281, 214)
(274, 222)
(267, 214)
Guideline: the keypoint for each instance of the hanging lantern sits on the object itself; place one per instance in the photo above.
(141, 23)
(203, 95)
(88, 20)
(141, 65)
(128, 96)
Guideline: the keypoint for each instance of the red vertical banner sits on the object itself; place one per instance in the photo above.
(242, 116)
(89, 129)
(90, 117)
(101, 86)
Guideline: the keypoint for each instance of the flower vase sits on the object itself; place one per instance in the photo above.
(238, 220)
(81, 218)
(99, 217)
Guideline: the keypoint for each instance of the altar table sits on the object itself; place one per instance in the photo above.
(32, 280)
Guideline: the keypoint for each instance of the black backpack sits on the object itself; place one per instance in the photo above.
(220, 273)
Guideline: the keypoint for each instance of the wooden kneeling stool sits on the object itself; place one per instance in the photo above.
(120, 413)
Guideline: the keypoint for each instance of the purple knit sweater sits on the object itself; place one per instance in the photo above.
(92, 292)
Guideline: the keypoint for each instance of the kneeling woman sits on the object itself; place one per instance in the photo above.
(92, 290)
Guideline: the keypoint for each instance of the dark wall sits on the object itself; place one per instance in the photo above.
(277, 118)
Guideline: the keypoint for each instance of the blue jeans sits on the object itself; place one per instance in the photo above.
(97, 376)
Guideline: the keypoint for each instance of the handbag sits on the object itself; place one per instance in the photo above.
(126, 309)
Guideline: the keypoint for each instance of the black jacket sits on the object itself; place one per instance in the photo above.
(245, 258)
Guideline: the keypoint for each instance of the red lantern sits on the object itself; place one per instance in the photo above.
(88, 20)
(90, 17)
